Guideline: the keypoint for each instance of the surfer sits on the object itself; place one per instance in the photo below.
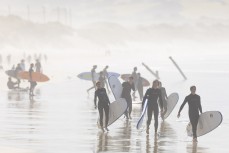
(194, 107)
(102, 79)
(140, 86)
(93, 79)
(16, 71)
(135, 79)
(105, 73)
(32, 83)
(11, 84)
(152, 94)
(164, 98)
(127, 86)
(38, 65)
(103, 104)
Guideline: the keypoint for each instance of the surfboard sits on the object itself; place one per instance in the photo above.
(125, 77)
(11, 73)
(116, 110)
(87, 75)
(171, 103)
(140, 121)
(36, 76)
(208, 121)
(116, 86)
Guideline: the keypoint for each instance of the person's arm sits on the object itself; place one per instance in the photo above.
(160, 100)
(107, 97)
(200, 107)
(166, 94)
(181, 107)
(145, 97)
(95, 98)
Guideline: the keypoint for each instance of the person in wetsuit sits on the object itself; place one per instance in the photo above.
(152, 94)
(11, 84)
(127, 86)
(32, 83)
(103, 104)
(194, 108)
(164, 98)
(140, 86)
(102, 79)
(106, 75)
(135, 80)
(93, 78)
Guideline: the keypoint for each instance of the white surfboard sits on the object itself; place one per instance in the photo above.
(116, 110)
(208, 121)
(87, 75)
(171, 103)
(116, 86)
(140, 121)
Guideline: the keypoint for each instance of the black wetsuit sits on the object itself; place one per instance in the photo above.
(32, 83)
(126, 95)
(152, 95)
(102, 104)
(194, 108)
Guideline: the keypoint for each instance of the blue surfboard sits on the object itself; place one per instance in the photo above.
(140, 121)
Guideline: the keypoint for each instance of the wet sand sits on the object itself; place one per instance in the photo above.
(61, 119)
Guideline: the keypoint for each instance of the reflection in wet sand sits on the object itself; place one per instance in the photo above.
(194, 148)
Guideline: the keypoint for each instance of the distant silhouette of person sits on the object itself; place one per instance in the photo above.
(32, 82)
(102, 79)
(38, 66)
(195, 107)
(164, 98)
(126, 94)
(17, 70)
(11, 84)
(103, 104)
(140, 86)
(135, 80)
(93, 78)
(106, 75)
(153, 95)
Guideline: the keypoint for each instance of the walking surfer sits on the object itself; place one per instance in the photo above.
(194, 108)
(103, 104)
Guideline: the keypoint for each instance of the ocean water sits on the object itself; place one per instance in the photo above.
(61, 117)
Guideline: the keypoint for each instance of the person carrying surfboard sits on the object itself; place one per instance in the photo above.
(164, 98)
(32, 83)
(103, 104)
(93, 78)
(127, 86)
(105, 73)
(140, 86)
(153, 94)
(135, 80)
(194, 108)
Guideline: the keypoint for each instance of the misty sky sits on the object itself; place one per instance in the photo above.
(126, 12)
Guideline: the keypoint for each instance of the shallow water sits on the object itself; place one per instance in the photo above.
(61, 117)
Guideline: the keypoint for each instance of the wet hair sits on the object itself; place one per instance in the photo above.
(135, 68)
(193, 87)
